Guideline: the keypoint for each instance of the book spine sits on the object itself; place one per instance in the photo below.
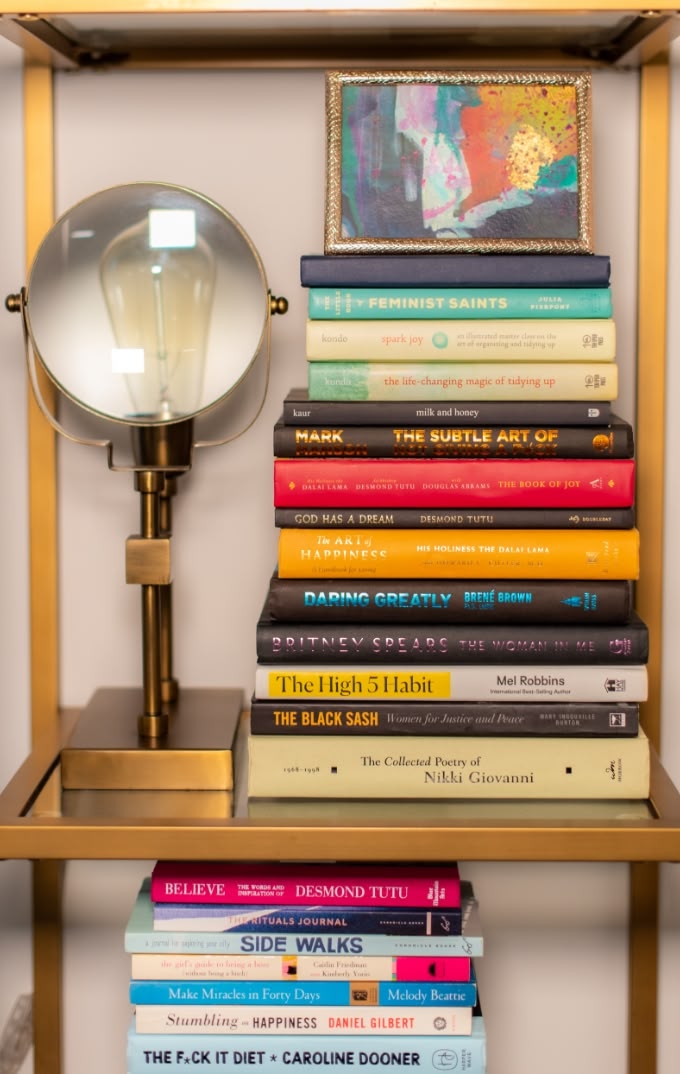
(451, 442)
(263, 886)
(314, 994)
(449, 601)
(565, 554)
(553, 518)
(455, 270)
(415, 303)
(299, 409)
(477, 682)
(454, 483)
(440, 718)
(187, 1050)
(210, 917)
(433, 382)
(299, 967)
(472, 643)
(447, 767)
(320, 944)
(319, 1021)
(525, 340)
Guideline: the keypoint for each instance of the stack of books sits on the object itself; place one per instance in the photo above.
(278, 965)
(422, 329)
(452, 609)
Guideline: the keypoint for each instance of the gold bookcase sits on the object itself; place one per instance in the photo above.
(151, 34)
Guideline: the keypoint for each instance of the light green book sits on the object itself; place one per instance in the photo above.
(438, 381)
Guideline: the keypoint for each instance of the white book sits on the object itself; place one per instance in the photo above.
(311, 1020)
(460, 682)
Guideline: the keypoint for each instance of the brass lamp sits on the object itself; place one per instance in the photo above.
(146, 305)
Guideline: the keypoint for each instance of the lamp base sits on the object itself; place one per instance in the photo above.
(105, 752)
(143, 805)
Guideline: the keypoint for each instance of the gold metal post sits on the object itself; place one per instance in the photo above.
(169, 684)
(153, 722)
(169, 446)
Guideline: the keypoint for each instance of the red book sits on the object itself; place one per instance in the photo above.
(377, 483)
(299, 884)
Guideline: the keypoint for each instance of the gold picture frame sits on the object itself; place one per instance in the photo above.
(471, 161)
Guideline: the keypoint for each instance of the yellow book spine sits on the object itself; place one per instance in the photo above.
(413, 553)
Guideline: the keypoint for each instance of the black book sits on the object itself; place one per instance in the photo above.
(444, 718)
(473, 642)
(443, 600)
(299, 409)
(473, 441)
(455, 270)
(531, 518)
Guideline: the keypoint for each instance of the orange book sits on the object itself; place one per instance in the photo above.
(415, 553)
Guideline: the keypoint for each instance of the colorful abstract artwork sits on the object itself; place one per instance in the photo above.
(466, 161)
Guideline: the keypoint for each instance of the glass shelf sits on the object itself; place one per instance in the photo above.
(374, 33)
(40, 820)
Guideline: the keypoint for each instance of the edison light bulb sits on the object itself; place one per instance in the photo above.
(158, 279)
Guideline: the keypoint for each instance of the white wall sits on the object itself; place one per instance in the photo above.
(554, 976)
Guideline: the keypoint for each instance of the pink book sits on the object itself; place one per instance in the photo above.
(331, 884)
(423, 968)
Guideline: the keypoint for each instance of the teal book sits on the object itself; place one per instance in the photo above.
(279, 1054)
(457, 303)
(312, 993)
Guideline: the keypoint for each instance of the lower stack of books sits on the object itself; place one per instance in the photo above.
(286, 967)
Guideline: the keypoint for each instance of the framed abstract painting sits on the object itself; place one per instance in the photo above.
(468, 161)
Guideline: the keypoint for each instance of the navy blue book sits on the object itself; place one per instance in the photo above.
(455, 270)
(221, 917)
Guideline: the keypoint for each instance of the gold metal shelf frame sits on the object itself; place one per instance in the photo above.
(44, 828)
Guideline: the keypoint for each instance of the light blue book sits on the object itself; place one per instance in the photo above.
(422, 303)
(309, 993)
(324, 1054)
(141, 936)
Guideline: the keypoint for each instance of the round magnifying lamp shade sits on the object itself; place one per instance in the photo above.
(146, 304)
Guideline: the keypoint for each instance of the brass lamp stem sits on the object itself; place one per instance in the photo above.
(169, 684)
(159, 450)
(153, 722)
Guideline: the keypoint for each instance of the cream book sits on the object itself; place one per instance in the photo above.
(297, 766)
(570, 339)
